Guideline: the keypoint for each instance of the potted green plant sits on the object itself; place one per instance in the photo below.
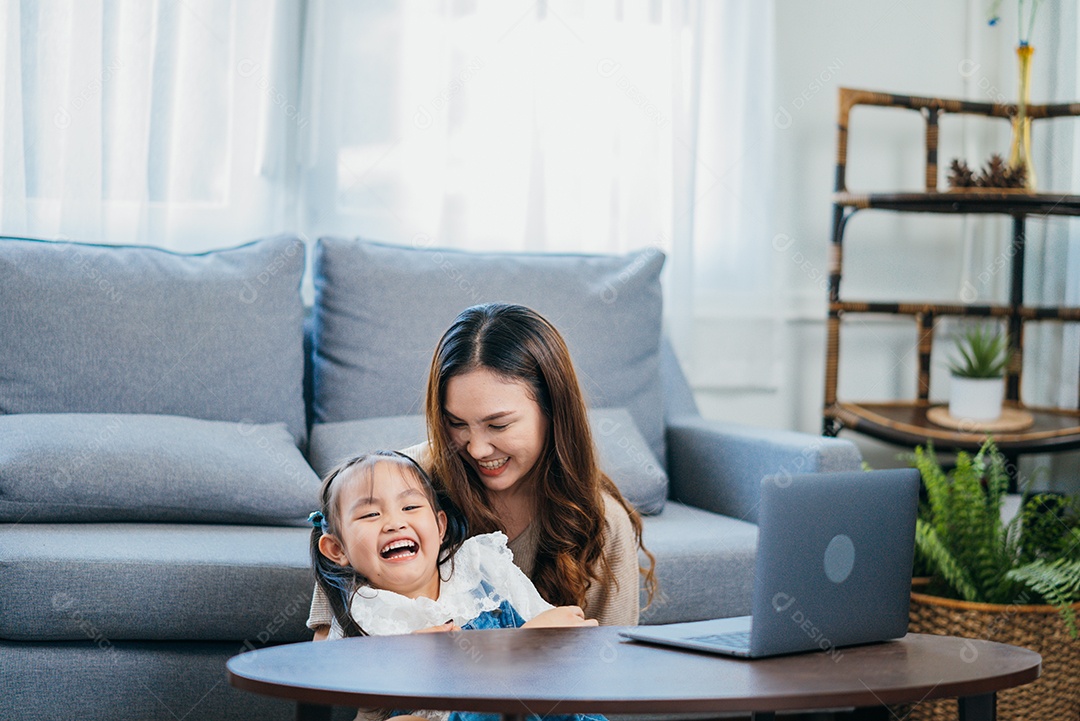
(977, 385)
(1014, 582)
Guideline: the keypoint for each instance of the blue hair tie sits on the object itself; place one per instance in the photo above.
(316, 519)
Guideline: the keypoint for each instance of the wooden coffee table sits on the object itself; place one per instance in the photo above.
(517, 672)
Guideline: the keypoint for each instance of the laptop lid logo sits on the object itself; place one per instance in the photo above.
(839, 558)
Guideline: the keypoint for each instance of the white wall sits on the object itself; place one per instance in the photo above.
(918, 47)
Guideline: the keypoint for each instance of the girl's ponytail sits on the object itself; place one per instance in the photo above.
(338, 583)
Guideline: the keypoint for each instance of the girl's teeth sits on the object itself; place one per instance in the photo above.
(492, 465)
(396, 545)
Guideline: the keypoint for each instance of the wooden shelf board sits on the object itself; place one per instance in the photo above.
(982, 310)
(1008, 203)
(905, 423)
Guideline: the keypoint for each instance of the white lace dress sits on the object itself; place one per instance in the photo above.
(479, 578)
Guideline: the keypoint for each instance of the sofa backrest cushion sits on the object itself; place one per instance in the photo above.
(380, 311)
(332, 443)
(624, 455)
(121, 329)
(89, 467)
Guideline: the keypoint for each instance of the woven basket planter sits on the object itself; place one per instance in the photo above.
(1055, 695)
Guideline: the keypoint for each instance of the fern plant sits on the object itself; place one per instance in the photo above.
(973, 555)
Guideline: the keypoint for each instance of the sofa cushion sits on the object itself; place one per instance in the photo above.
(626, 458)
(704, 564)
(121, 329)
(132, 681)
(624, 455)
(134, 581)
(380, 311)
(332, 443)
(101, 467)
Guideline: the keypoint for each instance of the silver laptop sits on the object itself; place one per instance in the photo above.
(833, 568)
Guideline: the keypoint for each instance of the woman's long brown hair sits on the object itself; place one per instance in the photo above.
(518, 344)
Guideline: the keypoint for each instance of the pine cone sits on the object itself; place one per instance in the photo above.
(993, 175)
(960, 175)
(1016, 176)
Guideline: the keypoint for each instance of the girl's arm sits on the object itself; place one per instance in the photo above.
(560, 616)
(444, 628)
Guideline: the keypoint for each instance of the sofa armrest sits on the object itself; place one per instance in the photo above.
(718, 466)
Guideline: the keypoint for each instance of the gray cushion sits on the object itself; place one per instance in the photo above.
(704, 564)
(332, 443)
(98, 467)
(120, 329)
(135, 581)
(624, 455)
(626, 458)
(103, 680)
(380, 310)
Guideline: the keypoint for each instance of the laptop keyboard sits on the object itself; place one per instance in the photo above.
(736, 639)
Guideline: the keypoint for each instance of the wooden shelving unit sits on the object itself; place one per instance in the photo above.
(905, 422)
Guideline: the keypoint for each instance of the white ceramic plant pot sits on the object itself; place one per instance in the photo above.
(976, 399)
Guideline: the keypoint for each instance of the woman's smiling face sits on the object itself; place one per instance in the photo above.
(496, 426)
(389, 531)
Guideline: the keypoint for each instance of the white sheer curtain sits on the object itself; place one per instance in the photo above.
(492, 125)
(559, 125)
(1052, 247)
(550, 126)
(147, 122)
(1052, 350)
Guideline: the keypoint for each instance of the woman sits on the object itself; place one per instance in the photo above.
(509, 440)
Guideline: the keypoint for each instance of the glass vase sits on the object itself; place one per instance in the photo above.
(1020, 150)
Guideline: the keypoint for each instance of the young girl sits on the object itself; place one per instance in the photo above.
(392, 557)
(509, 441)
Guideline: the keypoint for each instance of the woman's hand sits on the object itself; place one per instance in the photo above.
(561, 616)
(441, 628)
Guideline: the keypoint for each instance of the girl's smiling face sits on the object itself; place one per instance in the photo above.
(497, 426)
(388, 530)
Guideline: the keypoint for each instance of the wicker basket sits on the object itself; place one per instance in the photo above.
(1055, 695)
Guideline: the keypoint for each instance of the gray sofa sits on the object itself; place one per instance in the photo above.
(163, 416)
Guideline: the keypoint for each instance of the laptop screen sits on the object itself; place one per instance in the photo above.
(834, 559)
